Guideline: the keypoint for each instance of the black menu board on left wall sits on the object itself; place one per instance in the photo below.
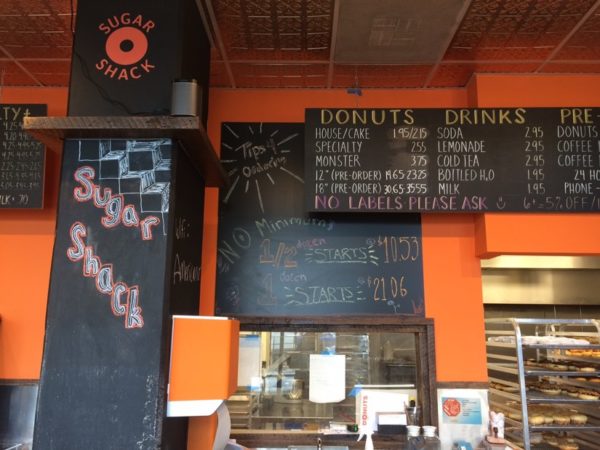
(22, 158)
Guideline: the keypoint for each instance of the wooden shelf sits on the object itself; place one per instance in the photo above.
(188, 130)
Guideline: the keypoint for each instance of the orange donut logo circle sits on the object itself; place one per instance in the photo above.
(126, 46)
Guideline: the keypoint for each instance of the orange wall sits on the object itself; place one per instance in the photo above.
(26, 241)
(451, 242)
(453, 298)
(536, 91)
(537, 234)
(452, 291)
(23, 232)
(445, 237)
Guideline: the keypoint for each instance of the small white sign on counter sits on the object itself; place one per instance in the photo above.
(327, 379)
(373, 404)
(462, 416)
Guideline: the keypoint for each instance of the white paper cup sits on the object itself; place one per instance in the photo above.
(429, 430)
(413, 430)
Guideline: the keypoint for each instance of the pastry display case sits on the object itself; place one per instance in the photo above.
(545, 377)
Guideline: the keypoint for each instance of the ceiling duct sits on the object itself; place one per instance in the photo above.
(395, 31)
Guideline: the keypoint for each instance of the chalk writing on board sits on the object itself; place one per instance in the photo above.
(453, 160)
(273, 258)
(125, 180)
(184, 271)
(133, 175)
(115, 211)
(104, 276)
(21, 159)
(256, 163)
(182, 228)
(241, 238)
(314, 295)
(399, 248)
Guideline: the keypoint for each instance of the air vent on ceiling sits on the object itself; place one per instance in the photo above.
(395, 31)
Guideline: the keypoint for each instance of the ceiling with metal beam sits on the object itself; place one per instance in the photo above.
(339, 43)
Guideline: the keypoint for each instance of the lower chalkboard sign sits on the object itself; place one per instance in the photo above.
(22, 158)
(274, 258)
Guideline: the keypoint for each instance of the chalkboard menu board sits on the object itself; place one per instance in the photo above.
(274, 258)
(21, 159)
(453, 160)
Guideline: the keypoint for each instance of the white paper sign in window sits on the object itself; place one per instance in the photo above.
(327, 380)
(249, 362)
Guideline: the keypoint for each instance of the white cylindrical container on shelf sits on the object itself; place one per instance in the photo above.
(184, 98)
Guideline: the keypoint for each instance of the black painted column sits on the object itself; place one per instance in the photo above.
(128, 52)
(128, 239)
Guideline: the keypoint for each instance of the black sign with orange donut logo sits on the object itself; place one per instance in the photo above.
(126, 47)
(126, 55)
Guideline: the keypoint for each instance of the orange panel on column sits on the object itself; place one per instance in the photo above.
(453, 298)
(494, 90)
(204, 360)
(538, 234)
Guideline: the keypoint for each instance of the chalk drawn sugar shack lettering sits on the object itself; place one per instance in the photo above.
(258, 158)
(103, 274)
(114, 209)
(136, 174)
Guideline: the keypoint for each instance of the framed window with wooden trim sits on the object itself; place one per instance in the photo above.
(304, 376)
